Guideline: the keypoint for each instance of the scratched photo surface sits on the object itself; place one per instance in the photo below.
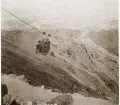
(59, 52)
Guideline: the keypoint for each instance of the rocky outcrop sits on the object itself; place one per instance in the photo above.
(7, 99)
(4, 91)
(62, 100)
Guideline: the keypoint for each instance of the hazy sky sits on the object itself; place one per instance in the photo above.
(63, 13)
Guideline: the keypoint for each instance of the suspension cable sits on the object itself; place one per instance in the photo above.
(21, 19)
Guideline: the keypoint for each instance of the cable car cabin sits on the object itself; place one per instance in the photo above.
(43, 47)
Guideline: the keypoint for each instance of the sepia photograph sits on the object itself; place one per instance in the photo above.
(59, 52)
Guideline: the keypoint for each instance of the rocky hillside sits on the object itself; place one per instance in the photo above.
(78, 64)
(108, 39)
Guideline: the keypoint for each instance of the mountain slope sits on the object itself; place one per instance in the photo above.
(79, 64)
(108, 39)
(17, 86)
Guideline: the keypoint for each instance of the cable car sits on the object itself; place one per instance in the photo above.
(43, 47)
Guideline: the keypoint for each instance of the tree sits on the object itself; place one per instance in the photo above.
(49, 35)
(44, 33)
